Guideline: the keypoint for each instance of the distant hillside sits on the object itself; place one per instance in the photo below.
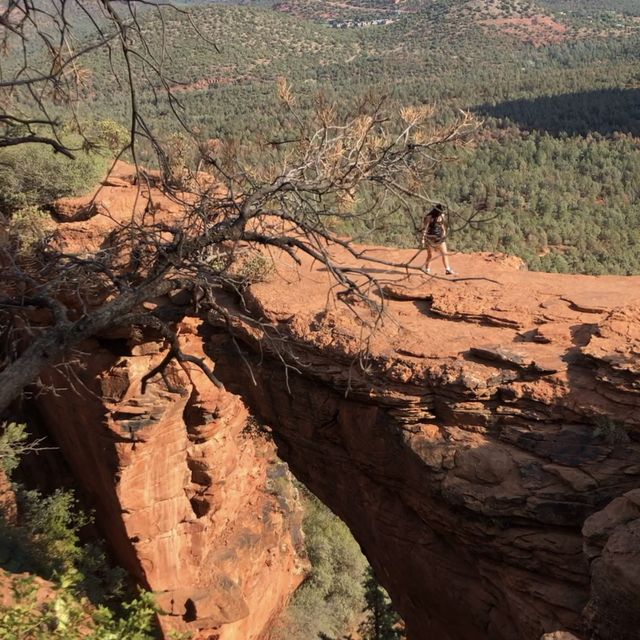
(605, 11)
(557, 158)
(591, 7)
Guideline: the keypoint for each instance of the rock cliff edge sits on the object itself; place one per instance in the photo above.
(483, 447)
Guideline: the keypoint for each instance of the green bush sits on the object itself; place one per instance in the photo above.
(34, 176)
(381, 620)
(46, 543)
(111, 135)
(64, 614)
(331, 599)
(29, 226)
(256, 267)
(12, 443)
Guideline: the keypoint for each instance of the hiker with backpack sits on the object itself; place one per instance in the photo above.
(434, 232)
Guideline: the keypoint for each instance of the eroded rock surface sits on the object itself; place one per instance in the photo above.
(612, 544)
(483, 447)
(490, 418)
(181, 488)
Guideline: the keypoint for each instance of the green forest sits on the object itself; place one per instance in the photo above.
(554, 164)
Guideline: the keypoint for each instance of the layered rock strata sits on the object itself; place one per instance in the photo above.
(182, 486)
(488, 421)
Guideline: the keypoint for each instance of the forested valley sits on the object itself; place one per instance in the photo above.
(555, 164)
(551, 174)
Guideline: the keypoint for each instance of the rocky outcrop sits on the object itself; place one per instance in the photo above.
(612, 545)
(480, 437)
(183, 488)
(487, 422)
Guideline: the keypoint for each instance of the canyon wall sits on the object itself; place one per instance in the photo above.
(484, 451)
(479, 435)
(189, 496)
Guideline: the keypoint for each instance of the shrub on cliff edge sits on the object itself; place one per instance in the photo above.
(33, 176)
(45, 542)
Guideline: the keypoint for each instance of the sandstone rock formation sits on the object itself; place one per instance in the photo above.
(612, 544)
(480, 438)
(490, 417)
(181, 487)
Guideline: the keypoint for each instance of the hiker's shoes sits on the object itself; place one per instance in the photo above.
(448, 272)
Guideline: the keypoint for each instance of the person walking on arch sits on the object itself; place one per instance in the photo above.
(434, 233)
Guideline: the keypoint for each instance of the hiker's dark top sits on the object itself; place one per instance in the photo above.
(434, 232)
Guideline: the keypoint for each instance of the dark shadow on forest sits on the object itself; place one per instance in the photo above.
(604, 111)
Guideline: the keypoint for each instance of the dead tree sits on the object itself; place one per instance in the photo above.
(308, 184)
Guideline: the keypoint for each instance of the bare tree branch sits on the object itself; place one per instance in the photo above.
(322, 175)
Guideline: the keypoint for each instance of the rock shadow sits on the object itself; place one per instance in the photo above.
(603, 111)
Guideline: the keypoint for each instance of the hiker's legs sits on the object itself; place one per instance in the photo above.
(429, 257)
(442, 248)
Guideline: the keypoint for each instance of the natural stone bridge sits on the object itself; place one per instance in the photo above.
(485, 452)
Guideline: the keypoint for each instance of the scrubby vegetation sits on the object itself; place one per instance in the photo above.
(341, 597)
(59, 588)
(62, 614)
(31, 176)
(554, 164)
(381, 622)
(332, 597)
(591, 7)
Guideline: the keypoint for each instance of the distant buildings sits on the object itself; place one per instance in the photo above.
(355, 24)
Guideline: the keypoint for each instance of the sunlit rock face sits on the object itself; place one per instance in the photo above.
(490, 420)
(479, 435)
(183, 487)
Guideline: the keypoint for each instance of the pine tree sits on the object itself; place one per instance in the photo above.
(381, 622)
